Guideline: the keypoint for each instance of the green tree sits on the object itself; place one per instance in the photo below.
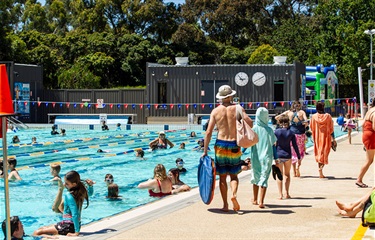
(78, 76)
(263, 55)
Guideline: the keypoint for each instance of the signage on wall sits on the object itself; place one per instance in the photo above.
(22, 93)
(100, 103)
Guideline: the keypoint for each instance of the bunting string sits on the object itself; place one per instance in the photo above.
(247, 105)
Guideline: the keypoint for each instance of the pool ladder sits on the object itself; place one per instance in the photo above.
(17, 123)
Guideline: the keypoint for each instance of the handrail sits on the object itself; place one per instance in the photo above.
(17, 123)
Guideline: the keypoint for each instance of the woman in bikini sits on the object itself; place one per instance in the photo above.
(160, 185)
(161, 142)
(298, 123)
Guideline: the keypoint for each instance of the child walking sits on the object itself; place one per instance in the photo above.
(284, 137)
(349, 125)
(73, 201)
(262, 156)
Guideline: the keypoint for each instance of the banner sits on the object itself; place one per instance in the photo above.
(371, 90)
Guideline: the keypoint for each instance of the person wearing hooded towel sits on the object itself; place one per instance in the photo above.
(321, 126)
(261, 156)
(227, 153)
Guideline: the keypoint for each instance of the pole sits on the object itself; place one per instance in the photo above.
(371, 55)
(5, 169)
(360, 84)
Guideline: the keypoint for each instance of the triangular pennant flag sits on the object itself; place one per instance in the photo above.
(202, 106)
(126, 105)
(133, 106)
(171, 106)
(68, 105)
(141, 106)
(266, 104)
(118, 105)
(25, 103)
(282, 104)
(148, 106)
(347, 100)
(111, 105)
(39, 104)
(53, 104)
(187, 106)
(330, 101)
(250, 104)
(156, 106)
(195, 106)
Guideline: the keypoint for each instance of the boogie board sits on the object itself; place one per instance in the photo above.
(206, 179)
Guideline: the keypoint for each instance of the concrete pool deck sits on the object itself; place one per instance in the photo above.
(310, 214)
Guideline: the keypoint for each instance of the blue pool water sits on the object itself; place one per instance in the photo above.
(31, 199)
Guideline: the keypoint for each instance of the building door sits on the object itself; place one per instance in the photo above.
(278, 94)
(209, 89)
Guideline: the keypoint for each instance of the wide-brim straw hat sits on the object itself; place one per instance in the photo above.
(224, 92)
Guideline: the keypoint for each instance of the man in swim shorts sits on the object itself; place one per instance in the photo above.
(227, 153)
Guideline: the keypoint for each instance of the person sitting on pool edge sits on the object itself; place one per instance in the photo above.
(13, 175)
(161, 142)
(177, 184)
(16, 228)
(160, 185)
(180, 165)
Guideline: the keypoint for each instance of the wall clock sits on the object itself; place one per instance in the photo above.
(241, 79)
(259, 79)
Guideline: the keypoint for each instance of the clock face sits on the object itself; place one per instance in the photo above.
(259, 79)
(241, 79)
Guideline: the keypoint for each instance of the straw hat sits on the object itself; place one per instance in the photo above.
(224, 92)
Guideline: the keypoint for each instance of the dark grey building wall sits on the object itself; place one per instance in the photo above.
(199, 84)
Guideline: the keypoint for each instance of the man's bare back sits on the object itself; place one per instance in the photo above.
(225, 120)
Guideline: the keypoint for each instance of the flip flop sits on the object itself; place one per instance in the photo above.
(361, 185)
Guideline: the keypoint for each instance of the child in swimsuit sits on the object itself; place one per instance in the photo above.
(73, 202)
(55, 171)
(13, 175)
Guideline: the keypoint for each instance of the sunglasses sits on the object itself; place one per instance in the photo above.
(109, 180)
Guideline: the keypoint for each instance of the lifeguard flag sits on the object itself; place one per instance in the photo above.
(6, 105)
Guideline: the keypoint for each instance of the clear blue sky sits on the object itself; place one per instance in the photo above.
(175, 1)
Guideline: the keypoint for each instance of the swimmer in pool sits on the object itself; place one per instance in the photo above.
(161, 142)
(13, 175)
(55, 171)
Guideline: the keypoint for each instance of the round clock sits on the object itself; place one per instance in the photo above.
(241, 79)
(259, 79)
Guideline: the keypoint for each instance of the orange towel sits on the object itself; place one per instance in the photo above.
(321, 126)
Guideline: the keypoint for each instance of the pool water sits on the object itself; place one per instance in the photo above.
(32, 198)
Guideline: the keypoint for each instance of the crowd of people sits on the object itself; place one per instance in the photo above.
(283, 147)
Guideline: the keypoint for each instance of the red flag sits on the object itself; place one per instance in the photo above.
(6, 105)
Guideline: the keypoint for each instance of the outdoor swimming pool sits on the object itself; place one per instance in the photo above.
(32, 198)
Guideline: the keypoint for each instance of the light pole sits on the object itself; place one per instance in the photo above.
(370, 32)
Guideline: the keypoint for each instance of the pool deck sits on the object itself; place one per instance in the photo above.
(311, 213)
